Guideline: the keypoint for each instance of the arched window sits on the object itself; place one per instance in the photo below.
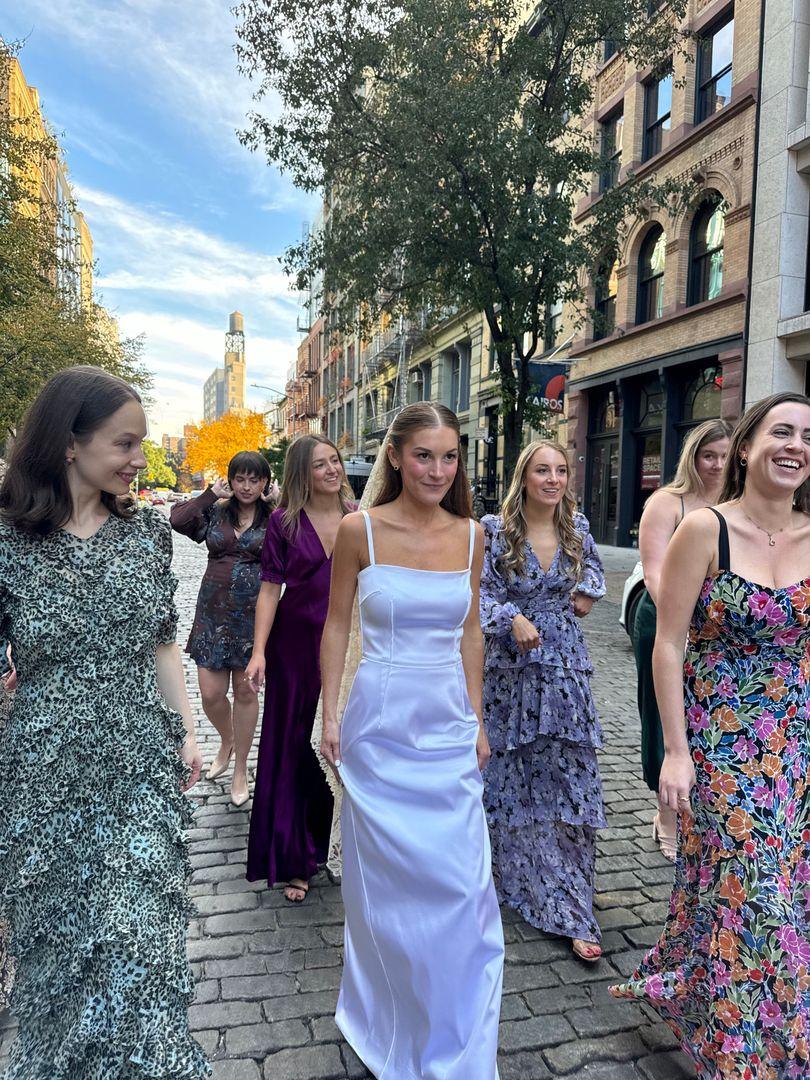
(651, 258)
(706, 250)
(607, 286)
(702, 394)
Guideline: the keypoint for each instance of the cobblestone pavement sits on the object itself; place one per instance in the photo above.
(268, 973)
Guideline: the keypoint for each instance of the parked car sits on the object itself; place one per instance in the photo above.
(157, 500)
(633, 588)
(194, 494)
(176, 496)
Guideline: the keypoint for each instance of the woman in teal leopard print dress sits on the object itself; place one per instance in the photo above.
(95, 753)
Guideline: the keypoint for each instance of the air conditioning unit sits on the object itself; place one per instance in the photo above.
(416, 376)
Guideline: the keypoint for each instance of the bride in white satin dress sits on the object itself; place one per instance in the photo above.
(423, 966)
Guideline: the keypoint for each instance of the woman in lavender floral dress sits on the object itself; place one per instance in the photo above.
(542, 790)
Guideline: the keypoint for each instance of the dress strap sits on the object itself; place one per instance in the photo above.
(369, 537)
(683, 510)
(472, 544)
(723, 555)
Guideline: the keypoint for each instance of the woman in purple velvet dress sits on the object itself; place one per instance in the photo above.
(542, 790)
(292, 804)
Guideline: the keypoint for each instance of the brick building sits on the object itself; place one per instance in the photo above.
(666, 350)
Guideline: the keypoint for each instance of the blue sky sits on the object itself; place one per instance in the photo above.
(187, 224)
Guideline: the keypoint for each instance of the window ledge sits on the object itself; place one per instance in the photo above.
(797, 324)
(734, 293)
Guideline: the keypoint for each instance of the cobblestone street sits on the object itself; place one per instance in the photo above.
(268, 972)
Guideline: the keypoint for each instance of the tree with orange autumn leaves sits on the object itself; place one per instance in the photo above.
(213, 443)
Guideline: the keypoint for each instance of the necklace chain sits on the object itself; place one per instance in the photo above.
(770, 535)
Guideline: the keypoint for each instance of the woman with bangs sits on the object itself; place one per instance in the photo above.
(291, 817)
(230, 518)
(542, 789)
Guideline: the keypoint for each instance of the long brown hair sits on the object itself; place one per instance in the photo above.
(296, 486)
(513, 514)
(35, 494)
(687, 479)
(413, 418)
(746, 429)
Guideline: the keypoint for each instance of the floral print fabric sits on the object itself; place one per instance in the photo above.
(542, 789)
(221, 637)
(93, 850)
(731, 972)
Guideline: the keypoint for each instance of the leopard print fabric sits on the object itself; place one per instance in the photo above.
(93, 851)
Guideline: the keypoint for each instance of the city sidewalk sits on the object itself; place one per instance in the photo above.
(268, 973)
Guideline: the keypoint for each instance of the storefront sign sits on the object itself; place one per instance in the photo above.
(547, 388)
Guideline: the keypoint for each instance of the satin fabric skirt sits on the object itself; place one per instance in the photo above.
(421, 991)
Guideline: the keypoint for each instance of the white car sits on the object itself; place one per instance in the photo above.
(633, 588)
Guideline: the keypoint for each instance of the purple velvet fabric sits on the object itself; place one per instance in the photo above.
(292, 803)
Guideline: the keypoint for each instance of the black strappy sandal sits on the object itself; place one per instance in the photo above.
(298, 888)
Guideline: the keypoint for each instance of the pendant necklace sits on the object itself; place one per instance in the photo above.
(770, 535)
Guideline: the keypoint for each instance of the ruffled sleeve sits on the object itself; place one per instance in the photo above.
(161, 532)
(193, 518)
(592, 582)
(274, 552)
(497, 612)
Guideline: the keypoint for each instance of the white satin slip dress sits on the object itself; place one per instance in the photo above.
(421, 990)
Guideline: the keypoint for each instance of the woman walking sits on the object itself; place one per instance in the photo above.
(730, 972)
(542, 790)
(421, 988)
(230, 519)
(697, 483)
(96, 750)
(292, 805)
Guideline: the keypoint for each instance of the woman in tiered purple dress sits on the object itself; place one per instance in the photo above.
(542, 790)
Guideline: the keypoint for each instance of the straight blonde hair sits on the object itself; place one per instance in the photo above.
(296, 486)
(687, 479)
(513, 561)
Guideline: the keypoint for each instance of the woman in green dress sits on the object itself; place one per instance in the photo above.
(97, 750)
(697, 482)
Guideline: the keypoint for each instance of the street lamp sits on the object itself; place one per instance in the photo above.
(272, 389)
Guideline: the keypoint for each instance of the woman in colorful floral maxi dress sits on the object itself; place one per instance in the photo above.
(731, 972)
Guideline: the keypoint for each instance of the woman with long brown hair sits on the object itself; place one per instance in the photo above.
(542, 790)
(423, 958)
(730, 971)
(291, 816)
(696, 483)
(97, 750)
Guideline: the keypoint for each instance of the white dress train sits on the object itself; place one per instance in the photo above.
(421, 990)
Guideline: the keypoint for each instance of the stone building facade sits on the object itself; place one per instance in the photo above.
(667, 347)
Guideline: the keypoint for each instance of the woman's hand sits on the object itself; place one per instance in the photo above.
(221, 488)
(190, 754)
(482, 747)
(330, 746)
(526, 634)
(582, 604)
(254, 672)
(676, 781)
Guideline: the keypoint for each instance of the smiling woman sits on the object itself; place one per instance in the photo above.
(97, 750)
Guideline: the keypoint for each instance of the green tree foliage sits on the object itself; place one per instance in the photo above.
(450, 137)
(44, 327)
(275, 455)
(158, 471)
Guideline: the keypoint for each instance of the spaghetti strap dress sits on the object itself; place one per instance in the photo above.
(731, 971)
(421, 990)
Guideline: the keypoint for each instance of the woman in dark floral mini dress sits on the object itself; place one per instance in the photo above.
(542, 790)
(230, 518)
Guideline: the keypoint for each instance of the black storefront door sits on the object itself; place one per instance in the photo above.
(603, 488)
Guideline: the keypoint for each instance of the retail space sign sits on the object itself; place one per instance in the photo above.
(547, 389)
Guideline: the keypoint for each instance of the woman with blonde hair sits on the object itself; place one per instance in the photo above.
(423, 959)
(697, 482)
(542, 790)
(292, 805)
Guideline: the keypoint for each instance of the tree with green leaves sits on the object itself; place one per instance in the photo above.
(275, 455)
(158, 471)
(451, 140)
(44, 325)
